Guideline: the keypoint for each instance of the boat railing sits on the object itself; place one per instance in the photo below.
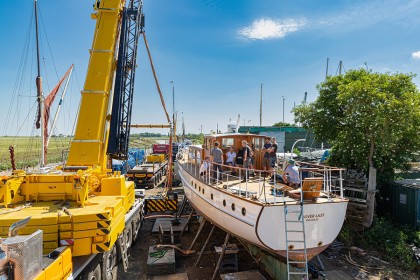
(316, 181)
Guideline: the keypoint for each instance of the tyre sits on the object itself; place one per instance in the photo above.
(109, 261)
(93, 274)
(128, 237)
(135, 225)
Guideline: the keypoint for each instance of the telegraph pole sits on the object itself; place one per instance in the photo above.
(261, 106)
(283, 110)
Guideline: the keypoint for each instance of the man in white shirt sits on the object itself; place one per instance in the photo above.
(230, 159)
(291, 173)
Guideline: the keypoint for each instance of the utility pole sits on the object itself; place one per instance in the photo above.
(340, 65)
(283, 109)
(326, 72)
(173, 108)
(261, 106)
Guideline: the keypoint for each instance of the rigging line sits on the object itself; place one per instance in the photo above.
(45, 75)
(74, 125)
(156, 80)
(18, 76)
(48, 42)
(26, 118)
(17, 114)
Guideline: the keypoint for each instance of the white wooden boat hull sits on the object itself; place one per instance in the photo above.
(264, 225)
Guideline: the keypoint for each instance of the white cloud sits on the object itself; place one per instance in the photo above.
(416, 55)
(266, 28)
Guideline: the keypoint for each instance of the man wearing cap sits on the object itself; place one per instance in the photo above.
(291, 173)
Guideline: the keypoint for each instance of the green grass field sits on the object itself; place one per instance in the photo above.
(28, 149)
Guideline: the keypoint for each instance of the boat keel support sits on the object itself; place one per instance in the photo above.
(222, 254)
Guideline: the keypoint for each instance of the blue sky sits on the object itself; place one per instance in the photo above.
(217, 52)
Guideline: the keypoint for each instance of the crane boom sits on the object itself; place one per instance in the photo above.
(88, 147)
(119, 133)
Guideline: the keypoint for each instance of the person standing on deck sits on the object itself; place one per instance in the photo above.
(266, 159)
(247, 158)
(216, 156)
(272, 154)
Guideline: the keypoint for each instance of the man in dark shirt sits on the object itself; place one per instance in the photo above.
(272, 154)
(216, 156)
(266, 159)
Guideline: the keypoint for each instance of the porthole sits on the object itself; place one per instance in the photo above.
(211, 196)
(224, 202)
(243, 211)
(203, 190)
(192, 183)
(320, 243)
(291, 247)
(195, 186)
(233, 206)
(199, 189)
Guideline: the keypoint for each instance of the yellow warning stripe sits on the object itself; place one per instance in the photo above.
(115, 232)
(155, 205)
(172, 204)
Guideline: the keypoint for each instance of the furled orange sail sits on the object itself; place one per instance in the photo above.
(47, 106)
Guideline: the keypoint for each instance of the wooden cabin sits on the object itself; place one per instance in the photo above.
(235, 139)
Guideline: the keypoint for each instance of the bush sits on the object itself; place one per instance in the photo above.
(392, 242)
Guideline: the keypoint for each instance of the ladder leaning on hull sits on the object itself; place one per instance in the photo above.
(298, 231)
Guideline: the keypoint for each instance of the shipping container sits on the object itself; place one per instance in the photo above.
(401, 200)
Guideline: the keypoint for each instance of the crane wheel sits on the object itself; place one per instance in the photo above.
(128, 236)
(94, 273)
(109, 260)
(135, 225)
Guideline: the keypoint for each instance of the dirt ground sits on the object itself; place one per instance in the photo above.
(337, 266)
(139, 252)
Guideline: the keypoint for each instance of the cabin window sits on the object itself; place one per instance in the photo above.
(243, 211)
(233, 207)
(224, 202)
(227, 142)
(208, 143)
(211, 196)
(257, 143)
(203, 190)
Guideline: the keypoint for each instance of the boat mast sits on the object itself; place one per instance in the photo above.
(39, 90)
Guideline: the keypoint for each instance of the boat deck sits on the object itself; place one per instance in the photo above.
(261, 189)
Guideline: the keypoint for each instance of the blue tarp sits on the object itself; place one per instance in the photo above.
(135, 156)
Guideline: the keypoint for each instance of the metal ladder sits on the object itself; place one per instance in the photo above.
(123, 250)
(299, 232)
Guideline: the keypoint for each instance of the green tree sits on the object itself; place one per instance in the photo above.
(370, 119)
(280, 124)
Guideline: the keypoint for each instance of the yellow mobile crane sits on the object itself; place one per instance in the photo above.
(81, 214)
